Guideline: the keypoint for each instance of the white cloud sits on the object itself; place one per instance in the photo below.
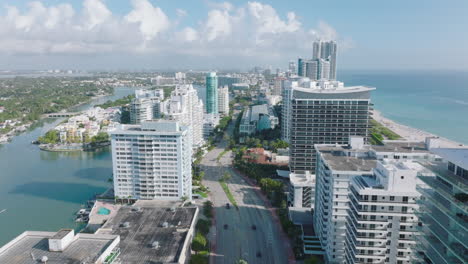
(268, 21)
(324, 32)
(188, 34)
(254, 31)
(152, 19)
(95, 13)
(181, 12)
(218, 24)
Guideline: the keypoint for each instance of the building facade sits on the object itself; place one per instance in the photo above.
(326, 51)
(146, 105)
(324, 113)
(152, 161)
(211, 93)
(444, 209)
(381, 226)
(223, 101)
(185, 107)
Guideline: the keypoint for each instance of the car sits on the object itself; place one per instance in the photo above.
(254, 227)
(259, 254)
(228, 206)
(225, 226)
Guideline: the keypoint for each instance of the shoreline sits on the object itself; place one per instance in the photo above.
(412, 134)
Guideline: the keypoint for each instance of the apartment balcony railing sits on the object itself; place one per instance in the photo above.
(445, 191)
(437, 235)
(441, 170)
(430, 219)
(436, 251)
(461, 219)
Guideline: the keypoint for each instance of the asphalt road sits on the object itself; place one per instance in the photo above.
(239, 240)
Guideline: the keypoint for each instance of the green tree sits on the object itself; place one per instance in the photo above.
(199, 242)
(51, 137)
(100, 137)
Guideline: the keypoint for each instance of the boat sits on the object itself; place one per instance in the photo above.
(2, 211)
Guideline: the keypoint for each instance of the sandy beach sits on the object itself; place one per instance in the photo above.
(410, 133)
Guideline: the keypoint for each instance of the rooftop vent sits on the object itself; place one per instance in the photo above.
(155, 245)
(60, 240)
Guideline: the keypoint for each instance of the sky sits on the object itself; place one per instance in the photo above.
(216, 35)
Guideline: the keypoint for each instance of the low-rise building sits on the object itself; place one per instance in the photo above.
(61, 247)
(258, 118)
(210, 122)
(153, 234)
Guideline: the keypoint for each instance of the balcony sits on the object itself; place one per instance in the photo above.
(441, 170)
(437, 252)
(457, 249)
(445, 191)
(443, 206)
(430, 219)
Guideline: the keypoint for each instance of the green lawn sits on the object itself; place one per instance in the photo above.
(202, 194)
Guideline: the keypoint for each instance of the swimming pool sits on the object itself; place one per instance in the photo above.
(103, 211)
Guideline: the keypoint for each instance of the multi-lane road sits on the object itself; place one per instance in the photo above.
(239, 240)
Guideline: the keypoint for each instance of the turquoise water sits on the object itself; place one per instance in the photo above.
(436, 102)
(43, 190)
(103, 211)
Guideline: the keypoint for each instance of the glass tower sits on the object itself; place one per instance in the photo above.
(211, 93)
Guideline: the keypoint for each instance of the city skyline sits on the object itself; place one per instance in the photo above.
(143, 34)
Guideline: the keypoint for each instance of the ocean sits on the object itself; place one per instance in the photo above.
(436, 102)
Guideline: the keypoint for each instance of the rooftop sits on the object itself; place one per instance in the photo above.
(140, 227)
(151, 127)
(335, 90)
(458, 156)
(401, 146)
(31, 246)
(342, 158)
(302, 179)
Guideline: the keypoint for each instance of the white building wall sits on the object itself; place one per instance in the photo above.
(152, 161)
(223, 100)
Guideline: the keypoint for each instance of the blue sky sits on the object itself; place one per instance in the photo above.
(202, 34)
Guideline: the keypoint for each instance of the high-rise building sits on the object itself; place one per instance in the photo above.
(381, 225)
(185, 106)
(286, 111)
(180, 76)
(323, 71)
(326, 50)
(223, 100)
(292, 67)
(324, 113)
(300, 67)
(146, 105)
(278, 85)
(444, 209)
(337, 167)
(152, 161)
(312, 69)
(211, 93)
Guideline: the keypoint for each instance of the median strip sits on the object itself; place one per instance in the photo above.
(229, 195)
